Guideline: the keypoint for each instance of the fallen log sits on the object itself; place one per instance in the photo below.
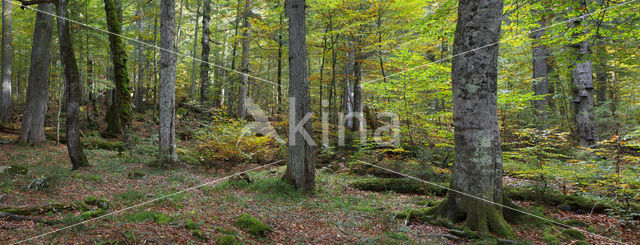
(15, 217)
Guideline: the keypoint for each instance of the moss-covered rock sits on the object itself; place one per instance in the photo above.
(252, 225)
(227, 240)
(408, 186)
(92, 214)
(136, 174)
(101, 203)
(574, 234)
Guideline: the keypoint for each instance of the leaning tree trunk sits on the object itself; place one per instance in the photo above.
(244, 66)
(120, 72)
(582, 77)
(32, 131)
(7, 46)
(300, 167)
(72, 88)
(204, 65)
(541, 69)
(477, 169)
(167, 100)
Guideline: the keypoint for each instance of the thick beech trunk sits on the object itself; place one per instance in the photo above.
(32, 131)
(582, 86)
(120, 72)
(300, 167)
(477, 169)
(168, 63)
(7, 52)
(72, 88)
(204, 66)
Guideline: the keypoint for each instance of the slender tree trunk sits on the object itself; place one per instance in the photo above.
(72, 88)
(279, 75)
(140, 60)
(32, 131)
(204, 66)
(477, 169)
(358, 99)
(300, 167)
(7, 52)
(244, 66)
(193, 62)
(541, 71)
(121, 74)
(602, 72)
(582, 77)
(168, 63)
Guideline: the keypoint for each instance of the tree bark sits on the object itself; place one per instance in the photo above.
(121, 74)
(477, 169)
(140, 60)
(204, 65)
(279, 75)
(193, 61)
(541, 70)
(32, 131)
(72, 88)
(300, 167)
(582, 78)
(244, 65)
(168, 63)
(7, 52)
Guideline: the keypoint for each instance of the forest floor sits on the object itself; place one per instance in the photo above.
(336, 213)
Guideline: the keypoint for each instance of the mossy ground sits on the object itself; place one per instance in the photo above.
(335, 213)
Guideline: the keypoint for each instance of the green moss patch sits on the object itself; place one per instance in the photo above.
(574, 234)
(227, 240)
(407, 186)
(252, 225)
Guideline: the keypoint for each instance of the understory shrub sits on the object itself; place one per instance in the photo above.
(228, 142)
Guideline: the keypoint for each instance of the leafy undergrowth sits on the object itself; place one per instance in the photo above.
(219, 213)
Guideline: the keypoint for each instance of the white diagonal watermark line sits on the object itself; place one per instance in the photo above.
(499, 42)
(143, 43)
(492, 202)
(149, 201)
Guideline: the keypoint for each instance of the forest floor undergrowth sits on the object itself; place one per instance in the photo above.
(336, 213)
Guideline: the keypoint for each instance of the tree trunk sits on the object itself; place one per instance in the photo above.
(602, 72)
(168, 63)
(32, 131)
(477, 169)
(72, 88)
(121, 74)
(582, 77)
(300, 167)
(193, 61)
(541, 69)
(358, 104)
(244, 66)
(140, 60)
(204, 66)
(7, 52)
(279, 75)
